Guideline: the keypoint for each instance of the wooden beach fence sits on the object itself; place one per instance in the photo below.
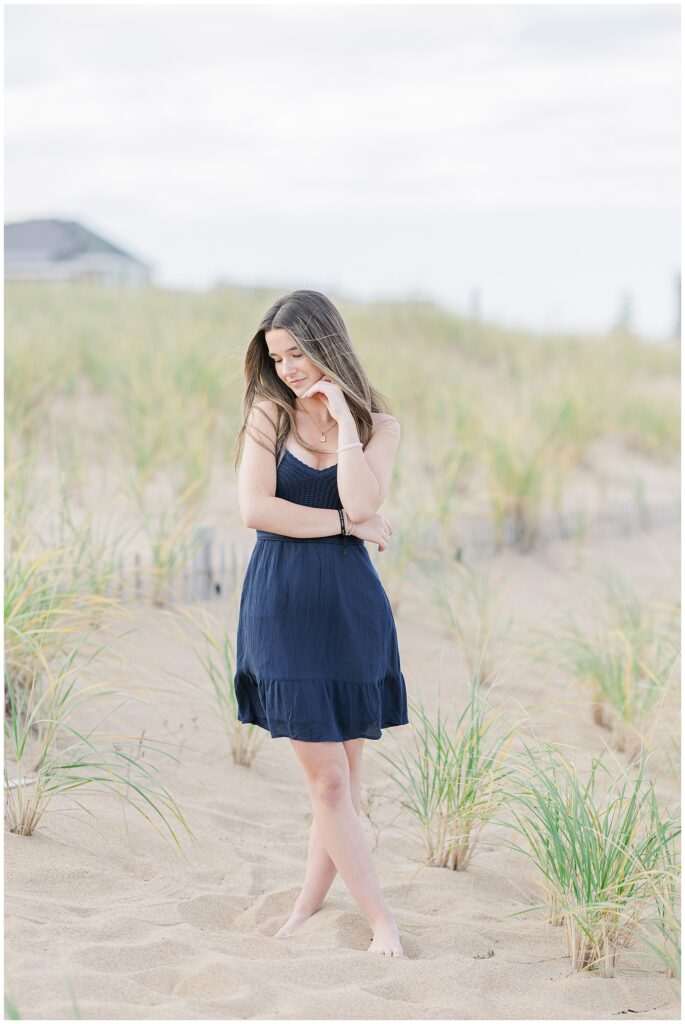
(209, 570)
(618, 519)
(214, 570)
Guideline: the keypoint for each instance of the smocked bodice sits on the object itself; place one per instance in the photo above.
(298, 482)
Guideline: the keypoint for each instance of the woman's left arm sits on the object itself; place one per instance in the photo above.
(364, 476)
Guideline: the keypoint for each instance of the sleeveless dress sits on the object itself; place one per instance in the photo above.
(316, 656)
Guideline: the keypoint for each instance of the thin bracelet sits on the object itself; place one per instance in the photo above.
(354, 444)
(343, 525)
(352, 524)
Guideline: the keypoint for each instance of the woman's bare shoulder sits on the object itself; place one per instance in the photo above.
(263, 417)
(266, 408)
(267, 405)
(383, 418)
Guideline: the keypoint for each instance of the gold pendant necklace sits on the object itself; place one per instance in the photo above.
(323, 435)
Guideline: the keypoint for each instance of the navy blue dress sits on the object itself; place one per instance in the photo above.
(317, 656)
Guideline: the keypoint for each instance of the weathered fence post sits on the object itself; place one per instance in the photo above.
(222, 569)
(202, 561)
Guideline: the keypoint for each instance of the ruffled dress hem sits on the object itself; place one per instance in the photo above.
(284, 707)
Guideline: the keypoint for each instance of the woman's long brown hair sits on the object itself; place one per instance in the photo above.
(314, 323)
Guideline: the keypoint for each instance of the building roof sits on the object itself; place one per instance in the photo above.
(56, 240)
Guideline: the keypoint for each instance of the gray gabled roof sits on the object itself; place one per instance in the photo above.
(55, 240)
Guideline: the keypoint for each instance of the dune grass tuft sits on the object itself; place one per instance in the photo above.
(471, 606)
(603, 846)
(452, 780)
(213, 682)
(626, 659)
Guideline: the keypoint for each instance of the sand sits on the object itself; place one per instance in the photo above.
(106, 906)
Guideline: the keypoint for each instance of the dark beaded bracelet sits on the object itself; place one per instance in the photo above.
(342, 522)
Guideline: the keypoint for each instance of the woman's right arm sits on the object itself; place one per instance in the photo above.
(260, 509)
(276, 515)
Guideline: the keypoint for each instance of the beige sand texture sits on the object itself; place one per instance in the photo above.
(106, 906)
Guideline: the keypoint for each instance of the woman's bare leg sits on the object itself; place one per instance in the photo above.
(321, 871)
(326, 769)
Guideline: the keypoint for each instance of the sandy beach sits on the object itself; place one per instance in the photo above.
(105, 905)
(276, 274)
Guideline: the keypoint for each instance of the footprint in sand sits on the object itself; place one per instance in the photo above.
(226, 912)
(214, 911)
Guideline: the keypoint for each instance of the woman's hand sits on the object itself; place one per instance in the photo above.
(332, 396)
(377, 529)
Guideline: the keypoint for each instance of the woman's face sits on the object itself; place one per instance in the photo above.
(290, 362)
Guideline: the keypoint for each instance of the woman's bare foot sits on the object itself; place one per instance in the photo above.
(386, 939)
(299, 914)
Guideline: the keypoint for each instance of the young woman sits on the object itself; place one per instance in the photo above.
(317, 657)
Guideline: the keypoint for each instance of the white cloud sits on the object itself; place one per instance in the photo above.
(141, 116)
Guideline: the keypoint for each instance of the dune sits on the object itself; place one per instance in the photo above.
(105, 905)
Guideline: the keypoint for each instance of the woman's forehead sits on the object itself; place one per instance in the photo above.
(278, 340)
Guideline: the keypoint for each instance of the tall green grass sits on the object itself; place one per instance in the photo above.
(214, 680)
(50, 751)
(529, 466)
(165, 368)
(661, 930)
(451, 782)
(470, 603)
(44, 610)
(602, 845)
(626, 659)
(53, 612)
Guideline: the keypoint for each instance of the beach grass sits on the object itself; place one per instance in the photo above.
(49, 752)
(451, 780)
(216, 657)
(602, 844)
(625, 655)
(471, 606)
(121, 412)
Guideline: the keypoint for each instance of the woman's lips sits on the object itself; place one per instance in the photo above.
(297, 381)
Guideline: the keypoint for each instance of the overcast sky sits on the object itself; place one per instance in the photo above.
(530, 152)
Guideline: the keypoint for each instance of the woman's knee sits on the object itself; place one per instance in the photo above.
(329, 783)
(330, 772)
